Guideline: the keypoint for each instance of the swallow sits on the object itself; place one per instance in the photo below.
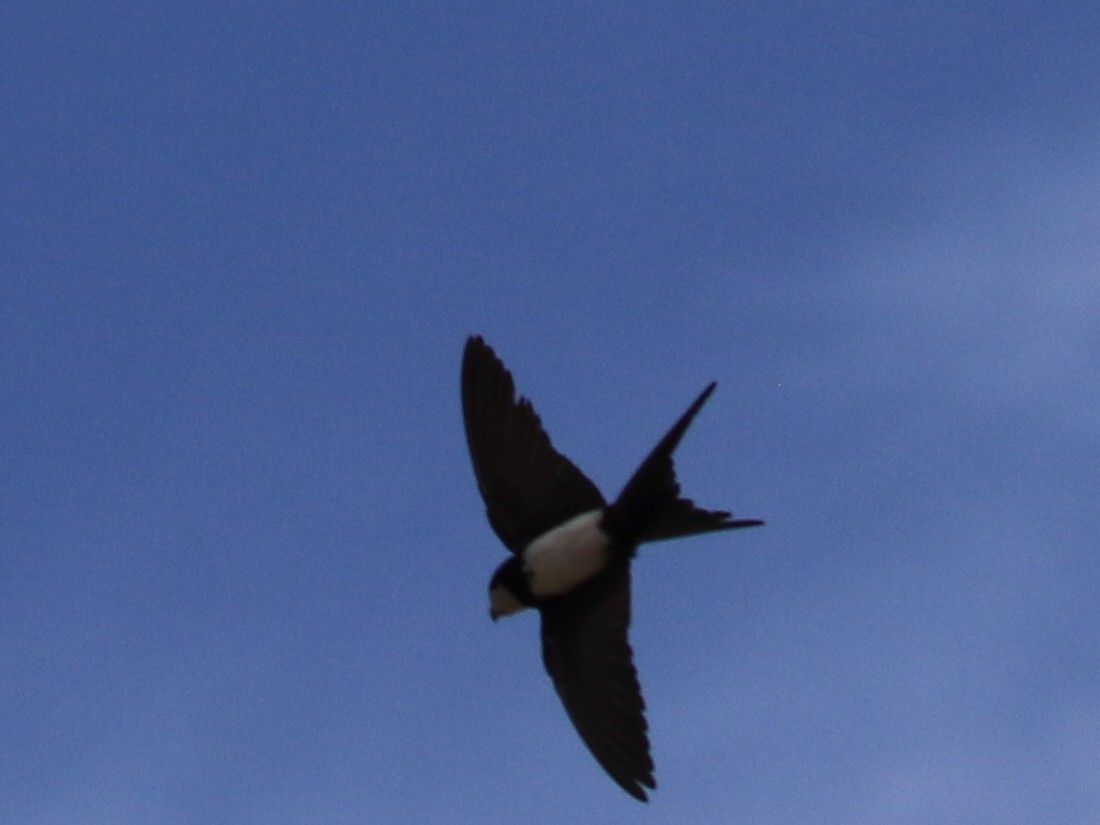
(571, 556)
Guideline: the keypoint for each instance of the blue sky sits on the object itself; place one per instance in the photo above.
(242, 557)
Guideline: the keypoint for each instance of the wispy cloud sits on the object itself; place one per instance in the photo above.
(997, 289)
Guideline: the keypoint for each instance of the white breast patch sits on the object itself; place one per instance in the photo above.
(571, 553)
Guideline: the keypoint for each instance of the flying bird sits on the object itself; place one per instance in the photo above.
(571, 555)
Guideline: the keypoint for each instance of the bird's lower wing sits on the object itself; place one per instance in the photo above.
(586, 653)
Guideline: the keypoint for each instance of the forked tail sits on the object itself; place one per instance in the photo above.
(650, 507)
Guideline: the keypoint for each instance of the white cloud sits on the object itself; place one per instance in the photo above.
(998, 289)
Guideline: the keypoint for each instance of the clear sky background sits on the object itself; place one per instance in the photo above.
(242, 557)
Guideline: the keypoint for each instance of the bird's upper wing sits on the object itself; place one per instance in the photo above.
(586, 653)
(527, 485)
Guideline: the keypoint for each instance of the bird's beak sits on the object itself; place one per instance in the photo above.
(493, 615)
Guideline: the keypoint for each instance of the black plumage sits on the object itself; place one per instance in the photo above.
(530, 490)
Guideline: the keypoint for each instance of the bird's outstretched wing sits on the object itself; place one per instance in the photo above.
(528, 487)
(587, 654)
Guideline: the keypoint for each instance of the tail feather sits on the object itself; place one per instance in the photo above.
(650, 507)
(683, 518)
